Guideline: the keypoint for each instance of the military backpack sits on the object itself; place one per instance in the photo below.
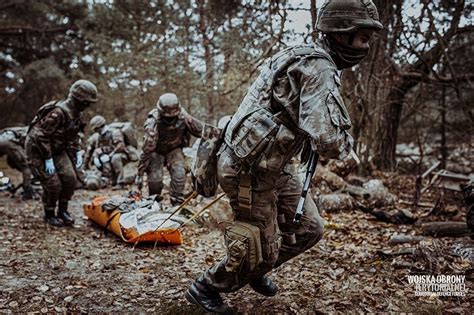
(128, 132)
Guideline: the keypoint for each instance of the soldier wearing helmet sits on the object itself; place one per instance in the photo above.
(167, 130)
(108, 148)
(53, 149)
(294, 106)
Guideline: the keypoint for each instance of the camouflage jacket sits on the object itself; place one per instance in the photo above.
(109, 141)
(294, 102)
(162, 138)
(57, 131)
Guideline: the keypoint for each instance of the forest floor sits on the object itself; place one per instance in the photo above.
(82, 269)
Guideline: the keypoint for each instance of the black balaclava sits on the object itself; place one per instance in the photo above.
(344, 55)
(169, 120)
(79, 105)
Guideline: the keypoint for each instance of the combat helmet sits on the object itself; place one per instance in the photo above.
(97, 122)
(168, 105)
(84, 91)
(346, 16)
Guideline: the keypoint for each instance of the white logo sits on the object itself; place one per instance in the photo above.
(439, 285)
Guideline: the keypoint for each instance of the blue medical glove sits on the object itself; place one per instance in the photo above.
(49, 166)
(78, 159)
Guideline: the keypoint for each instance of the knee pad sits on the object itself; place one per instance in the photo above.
(243, 247)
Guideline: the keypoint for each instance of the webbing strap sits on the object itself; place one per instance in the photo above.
(245, 193)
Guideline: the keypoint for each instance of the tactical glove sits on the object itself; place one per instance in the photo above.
(49, 166)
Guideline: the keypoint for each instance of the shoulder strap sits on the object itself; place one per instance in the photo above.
(42, 112)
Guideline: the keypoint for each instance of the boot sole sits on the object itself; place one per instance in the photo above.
(192, 300)
(265, 293)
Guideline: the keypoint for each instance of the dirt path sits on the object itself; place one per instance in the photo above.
(45, 269)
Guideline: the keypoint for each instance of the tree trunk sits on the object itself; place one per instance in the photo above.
(444, 151)
(387, 130)
(384, 155)
(208, 57)
(314, 17)
(447, 228)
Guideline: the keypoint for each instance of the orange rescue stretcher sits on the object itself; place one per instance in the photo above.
(111, 221)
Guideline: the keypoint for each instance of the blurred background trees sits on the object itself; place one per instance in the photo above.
(415, 87)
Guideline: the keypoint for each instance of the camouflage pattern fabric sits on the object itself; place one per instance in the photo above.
(58, 188)
(174, 161)
(56, 132)
(111, 141)
(204, 168)
(16, 156)
(55, 136)
(163, 145)
(274, 194)
(293, 103)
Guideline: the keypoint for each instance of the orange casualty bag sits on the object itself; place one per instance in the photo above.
(132, 227)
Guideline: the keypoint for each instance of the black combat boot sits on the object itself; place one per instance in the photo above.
(51, 218)
(209, 300)
(264, 285)
(27, 192)
(64, 215)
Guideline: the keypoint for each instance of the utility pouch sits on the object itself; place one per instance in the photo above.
(243, 245)
(337, 110)
(278, 152)
(253, 136)
(204, 168)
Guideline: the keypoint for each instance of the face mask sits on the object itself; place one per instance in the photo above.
(80, 106)
(345, 56)
(169, 120)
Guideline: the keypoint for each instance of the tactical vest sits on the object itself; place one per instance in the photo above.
(260, 134)
(172, 136)
(65, 134)
(105, 141)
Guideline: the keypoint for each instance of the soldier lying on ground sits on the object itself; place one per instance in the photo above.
(168, 129)
(12, 143)
(53, 151)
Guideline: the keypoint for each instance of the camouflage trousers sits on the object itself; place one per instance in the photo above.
(273, 194)
(58, 188)
(16, 159)
(174, 161)
(118, 161)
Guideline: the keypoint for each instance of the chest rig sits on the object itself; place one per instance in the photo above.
(171, 136)
(106, 141)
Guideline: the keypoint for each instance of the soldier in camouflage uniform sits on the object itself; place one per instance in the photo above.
(108, 144)
(53, 150)
(293, 106)
(167, 130)
(12, 143)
